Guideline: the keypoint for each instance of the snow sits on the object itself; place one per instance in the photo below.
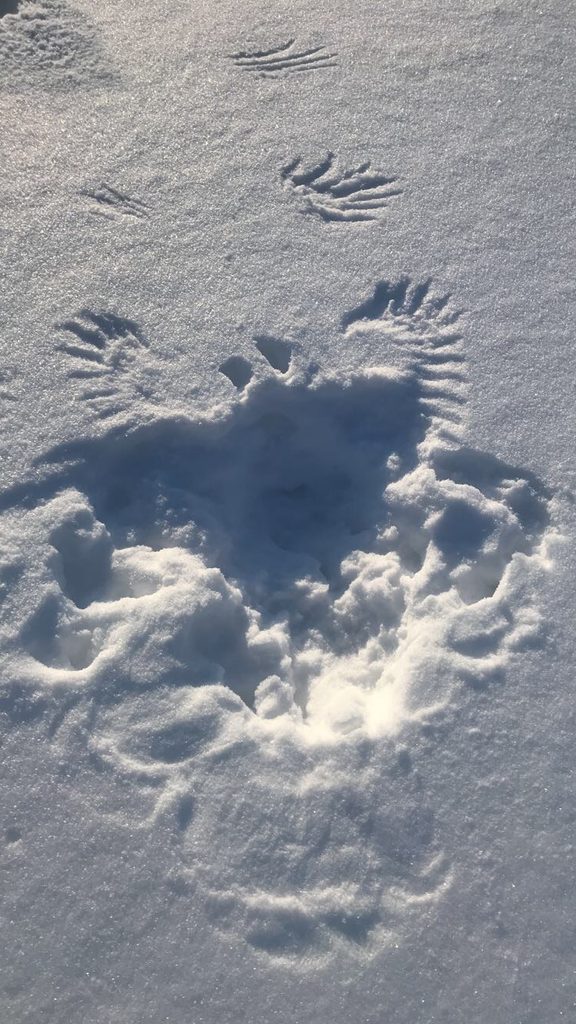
(286, 583)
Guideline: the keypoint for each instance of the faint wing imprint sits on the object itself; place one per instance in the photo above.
(287, 58)
(111, 355)
(424, 325)
(360, 194)
(109, 202)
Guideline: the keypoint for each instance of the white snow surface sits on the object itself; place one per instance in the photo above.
(286, 512)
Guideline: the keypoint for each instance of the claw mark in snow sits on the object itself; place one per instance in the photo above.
(286, 59)
(361, 194)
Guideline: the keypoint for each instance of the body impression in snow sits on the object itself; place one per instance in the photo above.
(322, 564)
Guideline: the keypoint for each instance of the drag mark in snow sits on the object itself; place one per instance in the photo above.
(286, 59)
(360, 194)
(110, 202)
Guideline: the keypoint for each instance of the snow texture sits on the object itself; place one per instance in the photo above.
(282, 556)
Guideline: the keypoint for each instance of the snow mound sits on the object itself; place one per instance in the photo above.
(48, 44)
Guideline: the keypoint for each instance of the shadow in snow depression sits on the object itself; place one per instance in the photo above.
(285, 486)
(8, 7)
(275, 495)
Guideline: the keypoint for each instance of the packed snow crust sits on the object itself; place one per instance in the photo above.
(285, 580)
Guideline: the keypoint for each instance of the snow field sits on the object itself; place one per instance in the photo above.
(246, 621)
